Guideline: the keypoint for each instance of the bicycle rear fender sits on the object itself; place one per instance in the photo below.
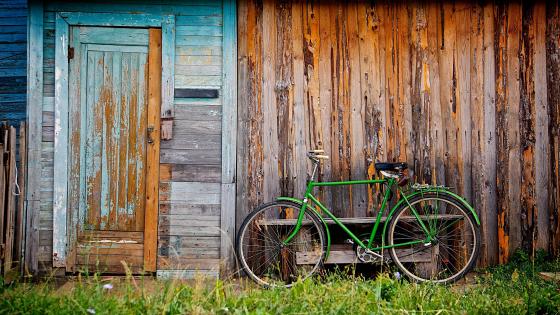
(300, 203)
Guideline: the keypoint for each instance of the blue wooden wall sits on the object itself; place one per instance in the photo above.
(13, 57)
(191, 174)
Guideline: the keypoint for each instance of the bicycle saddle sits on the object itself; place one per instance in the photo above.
(392, 167)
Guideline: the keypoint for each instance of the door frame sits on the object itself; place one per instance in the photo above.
(63, 220)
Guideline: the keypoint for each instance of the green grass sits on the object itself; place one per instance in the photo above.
(515, 288)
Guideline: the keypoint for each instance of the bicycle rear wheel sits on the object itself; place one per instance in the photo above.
(264, 256)
(456, 238)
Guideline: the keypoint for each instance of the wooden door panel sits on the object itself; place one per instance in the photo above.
(115, 96)
(115, 144)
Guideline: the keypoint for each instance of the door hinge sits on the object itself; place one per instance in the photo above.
(70, 53)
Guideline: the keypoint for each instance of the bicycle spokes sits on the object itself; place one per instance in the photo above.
(448, 249)
(266, 256)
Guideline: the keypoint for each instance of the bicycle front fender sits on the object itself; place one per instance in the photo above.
(300, 203)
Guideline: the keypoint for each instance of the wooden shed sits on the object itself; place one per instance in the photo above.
(156, 126)
(129, 105)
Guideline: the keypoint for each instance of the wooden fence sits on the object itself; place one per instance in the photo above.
(12, 180)
(468, 95)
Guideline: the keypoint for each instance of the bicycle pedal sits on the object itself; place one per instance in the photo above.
(349, 241)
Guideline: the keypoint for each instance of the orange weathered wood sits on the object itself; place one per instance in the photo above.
(502, 182)
(527, 114)
(152, 154)
(438, 85)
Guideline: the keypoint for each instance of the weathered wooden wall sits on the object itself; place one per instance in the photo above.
(13, 47)
(468, 95)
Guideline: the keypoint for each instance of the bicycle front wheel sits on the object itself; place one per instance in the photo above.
(263, 254)
(455, 238)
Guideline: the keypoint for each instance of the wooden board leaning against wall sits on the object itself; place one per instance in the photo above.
(468, 95)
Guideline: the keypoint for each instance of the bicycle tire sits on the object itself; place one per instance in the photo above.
(244, 238)
(413, 270)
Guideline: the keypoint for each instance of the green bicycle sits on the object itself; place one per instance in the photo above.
(431, 233)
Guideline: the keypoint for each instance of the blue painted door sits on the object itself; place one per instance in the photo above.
(109, 67)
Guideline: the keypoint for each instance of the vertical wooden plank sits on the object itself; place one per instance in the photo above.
(302, 129)
(508, 97)
(489, 217)
(270, 117)
(553, 98)
(437, 135)
(74, 125)
(60, 189)
(326, 93)
(168, 76)
(374, 109)
(110, 131)
(447, 94)
(10, 203)
(229, 110)
(284, 93)
(513, 123)
(122, 141)
(154, 74)
(501, 134)
(403, 109)
(251, 116)
(20, 223)
(463, 106)
(243, 118)
(34, 135)
(93, 143)
(229, 136)
(420, 95)
(390, 79)
(3, 187)
(542, 148)
(357, 116)
(140, 82)
(340, 115)
(477, 118)
(527, 127)
(82, 213)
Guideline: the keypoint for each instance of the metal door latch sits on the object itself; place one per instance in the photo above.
(150, 130)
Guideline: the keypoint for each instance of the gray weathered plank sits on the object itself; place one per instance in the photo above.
(34, 111)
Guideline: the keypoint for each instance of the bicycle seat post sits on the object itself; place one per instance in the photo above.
(315, 167)
(316, 156)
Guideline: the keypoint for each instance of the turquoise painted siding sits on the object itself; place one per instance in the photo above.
(188, 218)
(13, 57)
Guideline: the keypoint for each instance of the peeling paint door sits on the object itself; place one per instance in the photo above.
(111, 72)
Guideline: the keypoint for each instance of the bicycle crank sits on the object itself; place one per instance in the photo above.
(366, 255)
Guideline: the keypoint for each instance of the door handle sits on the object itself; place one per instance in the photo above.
(150, 130)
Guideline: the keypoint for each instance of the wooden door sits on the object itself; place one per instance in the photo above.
(109, 68)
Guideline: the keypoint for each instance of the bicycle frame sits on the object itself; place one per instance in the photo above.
(390, 182)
